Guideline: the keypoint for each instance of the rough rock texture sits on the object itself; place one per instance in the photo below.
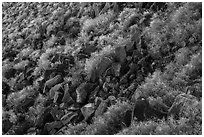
(182, 104)
(88, 111)
(52, 82)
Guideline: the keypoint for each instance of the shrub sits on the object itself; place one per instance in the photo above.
(110, 122)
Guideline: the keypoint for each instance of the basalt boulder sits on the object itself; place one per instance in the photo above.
(53, 90)
(143, 110)
(52, 128)
(83, 91)
(67, 99)
(52, 82)
(88, 111)
(69, 117)
(44, 117)
(6, 125)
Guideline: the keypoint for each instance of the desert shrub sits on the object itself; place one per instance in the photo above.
(92, 63)
(177, 30)
(161, 127)
(75, 129)
(154, 86)
(111, 122)
(14, 99)
(101, 21)
(140, 128)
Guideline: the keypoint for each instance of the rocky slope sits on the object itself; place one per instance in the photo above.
(101, 68)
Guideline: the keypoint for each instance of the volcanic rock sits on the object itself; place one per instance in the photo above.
(88, 111)
(52, 82)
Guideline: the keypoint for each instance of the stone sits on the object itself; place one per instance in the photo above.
(21, 128)
(124, 79)
(57, 97)
(111, 100)
(115, 68)
(53, 127)
(67, 99)
(120, 54)
(52, 82)
(93, 94)
(68, 118)
(88, 110)
(44, 117)
(182, 104)
(5, 88)
(53, 90)
(88, 49)
(83, 91)
(6, 125)
(97, 101)
(133, 68)
(140, 107)
(102, 108)
(129, 46)
(8, 72)
(127, 118)
(143, 110)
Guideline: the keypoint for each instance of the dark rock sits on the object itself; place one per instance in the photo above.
(115, 68)
(8, 72)
(6, 125)
(74, 107)
(69, 117)
(52, 128)
(88, 49)
(4, 103)
(155, 113)
(53, 90)
(52, 82)
(136, 55)
(83, 91)
(44, 117)
(97, 101)
(21, 128)
(5, 88)
(124, 79)
(132, 77)
(133, 68)
(57, 97)
(122, 99)
(94, 75)
(88, 111)
(120, 53)
(195, 90)
(67, 99)
(111, 100)
(48, 72)
(102, 108)
(181, 105)
(140, 108)
(9, 53)
(127, 119)
(93, 94)
(145, 109)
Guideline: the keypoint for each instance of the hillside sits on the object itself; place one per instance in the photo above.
(101, 68)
